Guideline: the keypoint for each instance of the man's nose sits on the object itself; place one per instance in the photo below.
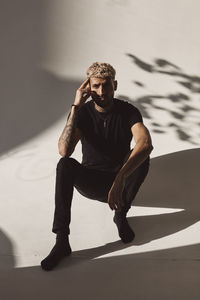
(101, 91)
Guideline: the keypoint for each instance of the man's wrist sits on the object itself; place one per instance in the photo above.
(76, 106)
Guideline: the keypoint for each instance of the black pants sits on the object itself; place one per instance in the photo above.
(93, 184)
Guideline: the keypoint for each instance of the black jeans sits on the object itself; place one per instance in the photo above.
(91, 183)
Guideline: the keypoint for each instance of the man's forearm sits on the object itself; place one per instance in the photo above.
(137, 156)
(66, 140)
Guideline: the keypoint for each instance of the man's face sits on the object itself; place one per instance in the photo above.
(102, 90)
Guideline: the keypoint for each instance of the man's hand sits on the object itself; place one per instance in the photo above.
(115, 200)
(83, 93)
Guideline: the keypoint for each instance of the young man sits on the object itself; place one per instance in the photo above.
(110, 171)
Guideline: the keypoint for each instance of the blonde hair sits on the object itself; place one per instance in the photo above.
(101, 70)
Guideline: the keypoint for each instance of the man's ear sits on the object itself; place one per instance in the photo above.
(115, 85)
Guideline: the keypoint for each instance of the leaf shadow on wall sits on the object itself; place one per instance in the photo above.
(182, 107)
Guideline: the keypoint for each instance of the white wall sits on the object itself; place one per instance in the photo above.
(46, 48)
(154, 47)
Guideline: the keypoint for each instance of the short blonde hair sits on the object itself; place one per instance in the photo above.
(101, 70)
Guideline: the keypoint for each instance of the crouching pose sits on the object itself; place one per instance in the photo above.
(110, 171)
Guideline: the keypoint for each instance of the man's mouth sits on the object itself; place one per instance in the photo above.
(100, 99)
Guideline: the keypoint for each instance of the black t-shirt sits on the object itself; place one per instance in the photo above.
(106, 136)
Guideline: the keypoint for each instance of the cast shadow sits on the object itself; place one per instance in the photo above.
(163, 274)
(7, 259)
(183, 108)
(49, 98)
(32, 99)
(171, 183)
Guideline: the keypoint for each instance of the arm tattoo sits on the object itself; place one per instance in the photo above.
(68, 135)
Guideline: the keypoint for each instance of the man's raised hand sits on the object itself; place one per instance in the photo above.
(82, 93)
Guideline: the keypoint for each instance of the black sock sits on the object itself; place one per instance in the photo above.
(59, 251)
(125, 232)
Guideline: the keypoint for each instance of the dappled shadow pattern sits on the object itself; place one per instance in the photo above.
(178, 112)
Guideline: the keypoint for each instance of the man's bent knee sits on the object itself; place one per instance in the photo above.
(66, 162)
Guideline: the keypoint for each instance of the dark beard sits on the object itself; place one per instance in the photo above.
(101, 103)
(106, 107)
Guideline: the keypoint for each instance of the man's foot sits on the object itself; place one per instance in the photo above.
(60, 250)
(126, 234)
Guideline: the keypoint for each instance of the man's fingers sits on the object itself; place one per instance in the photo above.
(84, 84)
(115, 206)
(118, 207)
(112, 205)
(85, 89)
(115, 201)
(86, 94)
(120, 203)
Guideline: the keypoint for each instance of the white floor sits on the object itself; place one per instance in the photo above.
(163, 261)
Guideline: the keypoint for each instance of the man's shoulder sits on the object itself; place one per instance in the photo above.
(129, 111)
(124, 103)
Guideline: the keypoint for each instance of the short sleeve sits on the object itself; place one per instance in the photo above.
(80, 119)
(134, 115)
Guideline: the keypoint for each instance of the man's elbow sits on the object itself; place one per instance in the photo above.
(66, 153)
(63, 151)
(151, 148)
(148, 147)
(63, 154)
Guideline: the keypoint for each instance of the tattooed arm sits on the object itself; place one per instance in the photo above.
(71, 134)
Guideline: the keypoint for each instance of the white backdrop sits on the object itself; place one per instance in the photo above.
(46, 47)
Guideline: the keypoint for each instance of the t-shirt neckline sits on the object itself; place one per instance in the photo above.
(103, 113)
